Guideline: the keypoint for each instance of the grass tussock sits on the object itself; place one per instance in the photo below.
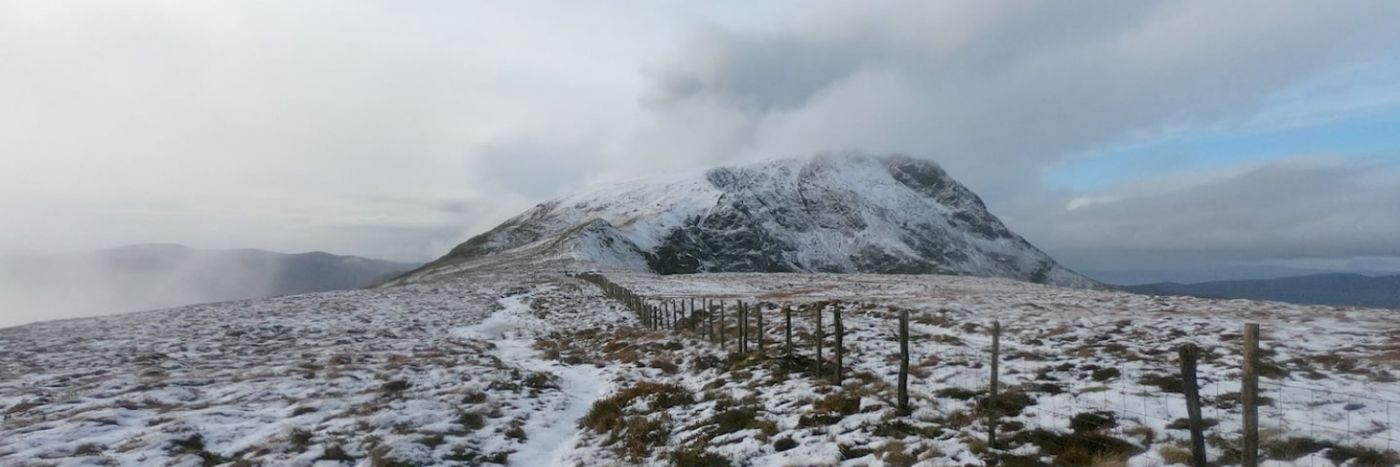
(1078, 449)
(634, 420)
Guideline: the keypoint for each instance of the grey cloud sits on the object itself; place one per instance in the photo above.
(1298, 213)
(996, 92)
(760, 74)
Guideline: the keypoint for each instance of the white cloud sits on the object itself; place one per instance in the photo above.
(287, 125)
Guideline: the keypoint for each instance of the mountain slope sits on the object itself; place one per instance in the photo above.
(143, 277)
(1315, 289)
(844, 214)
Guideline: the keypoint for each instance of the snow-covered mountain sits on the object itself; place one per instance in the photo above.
(852, 213)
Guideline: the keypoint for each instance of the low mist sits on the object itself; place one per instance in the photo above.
(49, 287)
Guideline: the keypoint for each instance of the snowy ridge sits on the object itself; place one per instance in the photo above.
(496, 366)
(853, 213)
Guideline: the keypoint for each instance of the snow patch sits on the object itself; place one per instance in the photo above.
(552, 433)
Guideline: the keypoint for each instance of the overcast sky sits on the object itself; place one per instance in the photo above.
(1133, 141)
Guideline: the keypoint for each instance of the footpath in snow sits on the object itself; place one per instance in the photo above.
(552, 433)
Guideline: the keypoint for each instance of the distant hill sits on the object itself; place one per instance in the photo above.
(141, 277)
(1316, 289)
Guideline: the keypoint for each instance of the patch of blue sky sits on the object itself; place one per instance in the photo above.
(1355, 113)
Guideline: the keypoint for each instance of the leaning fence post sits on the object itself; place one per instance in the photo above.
(993, 405)
(904, 361)
(1189, 352)
(1249, 396)
(840, 332)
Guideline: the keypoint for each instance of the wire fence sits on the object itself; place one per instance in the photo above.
(1101, 394)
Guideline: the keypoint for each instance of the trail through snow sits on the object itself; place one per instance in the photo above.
(552, 433)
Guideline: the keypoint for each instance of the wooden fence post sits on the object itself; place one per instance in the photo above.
(709, 317)
(704, 324)
(840, 334)
(820, 338)
(743, 312)
(693, 315)
(993, 405)
(1249, 395)
(714, 333)
(758, 313)
(1188, 353)
(904, 361)
(722, 343)
(787, 329)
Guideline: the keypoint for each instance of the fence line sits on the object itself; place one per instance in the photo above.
(961, 358)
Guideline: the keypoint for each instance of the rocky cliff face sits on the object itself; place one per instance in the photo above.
(891, 214)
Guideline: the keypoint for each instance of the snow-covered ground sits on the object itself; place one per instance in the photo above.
(421, 374)
(538, 368)
(552, 432)
(1330, 372)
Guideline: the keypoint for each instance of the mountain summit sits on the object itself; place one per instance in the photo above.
(844, 214)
